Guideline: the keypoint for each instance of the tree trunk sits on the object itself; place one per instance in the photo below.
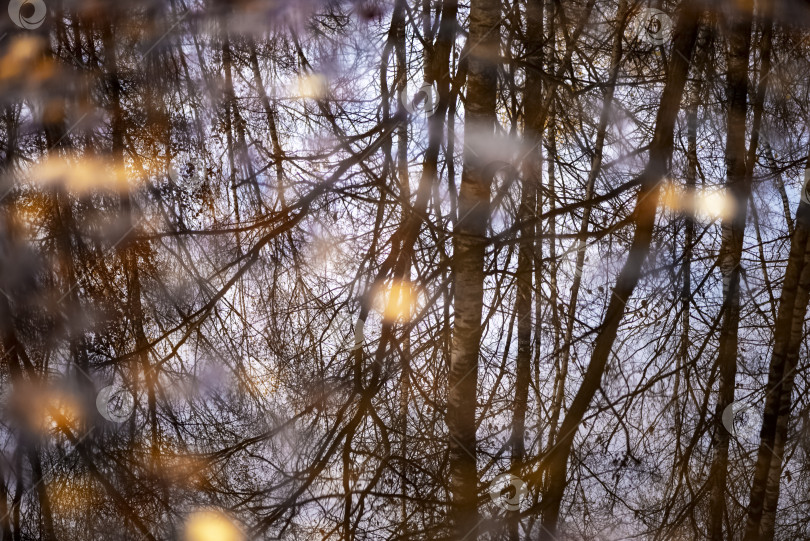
(469, 246)
(555, 463)
(528, 200)
(787, 342)
(738, 187)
